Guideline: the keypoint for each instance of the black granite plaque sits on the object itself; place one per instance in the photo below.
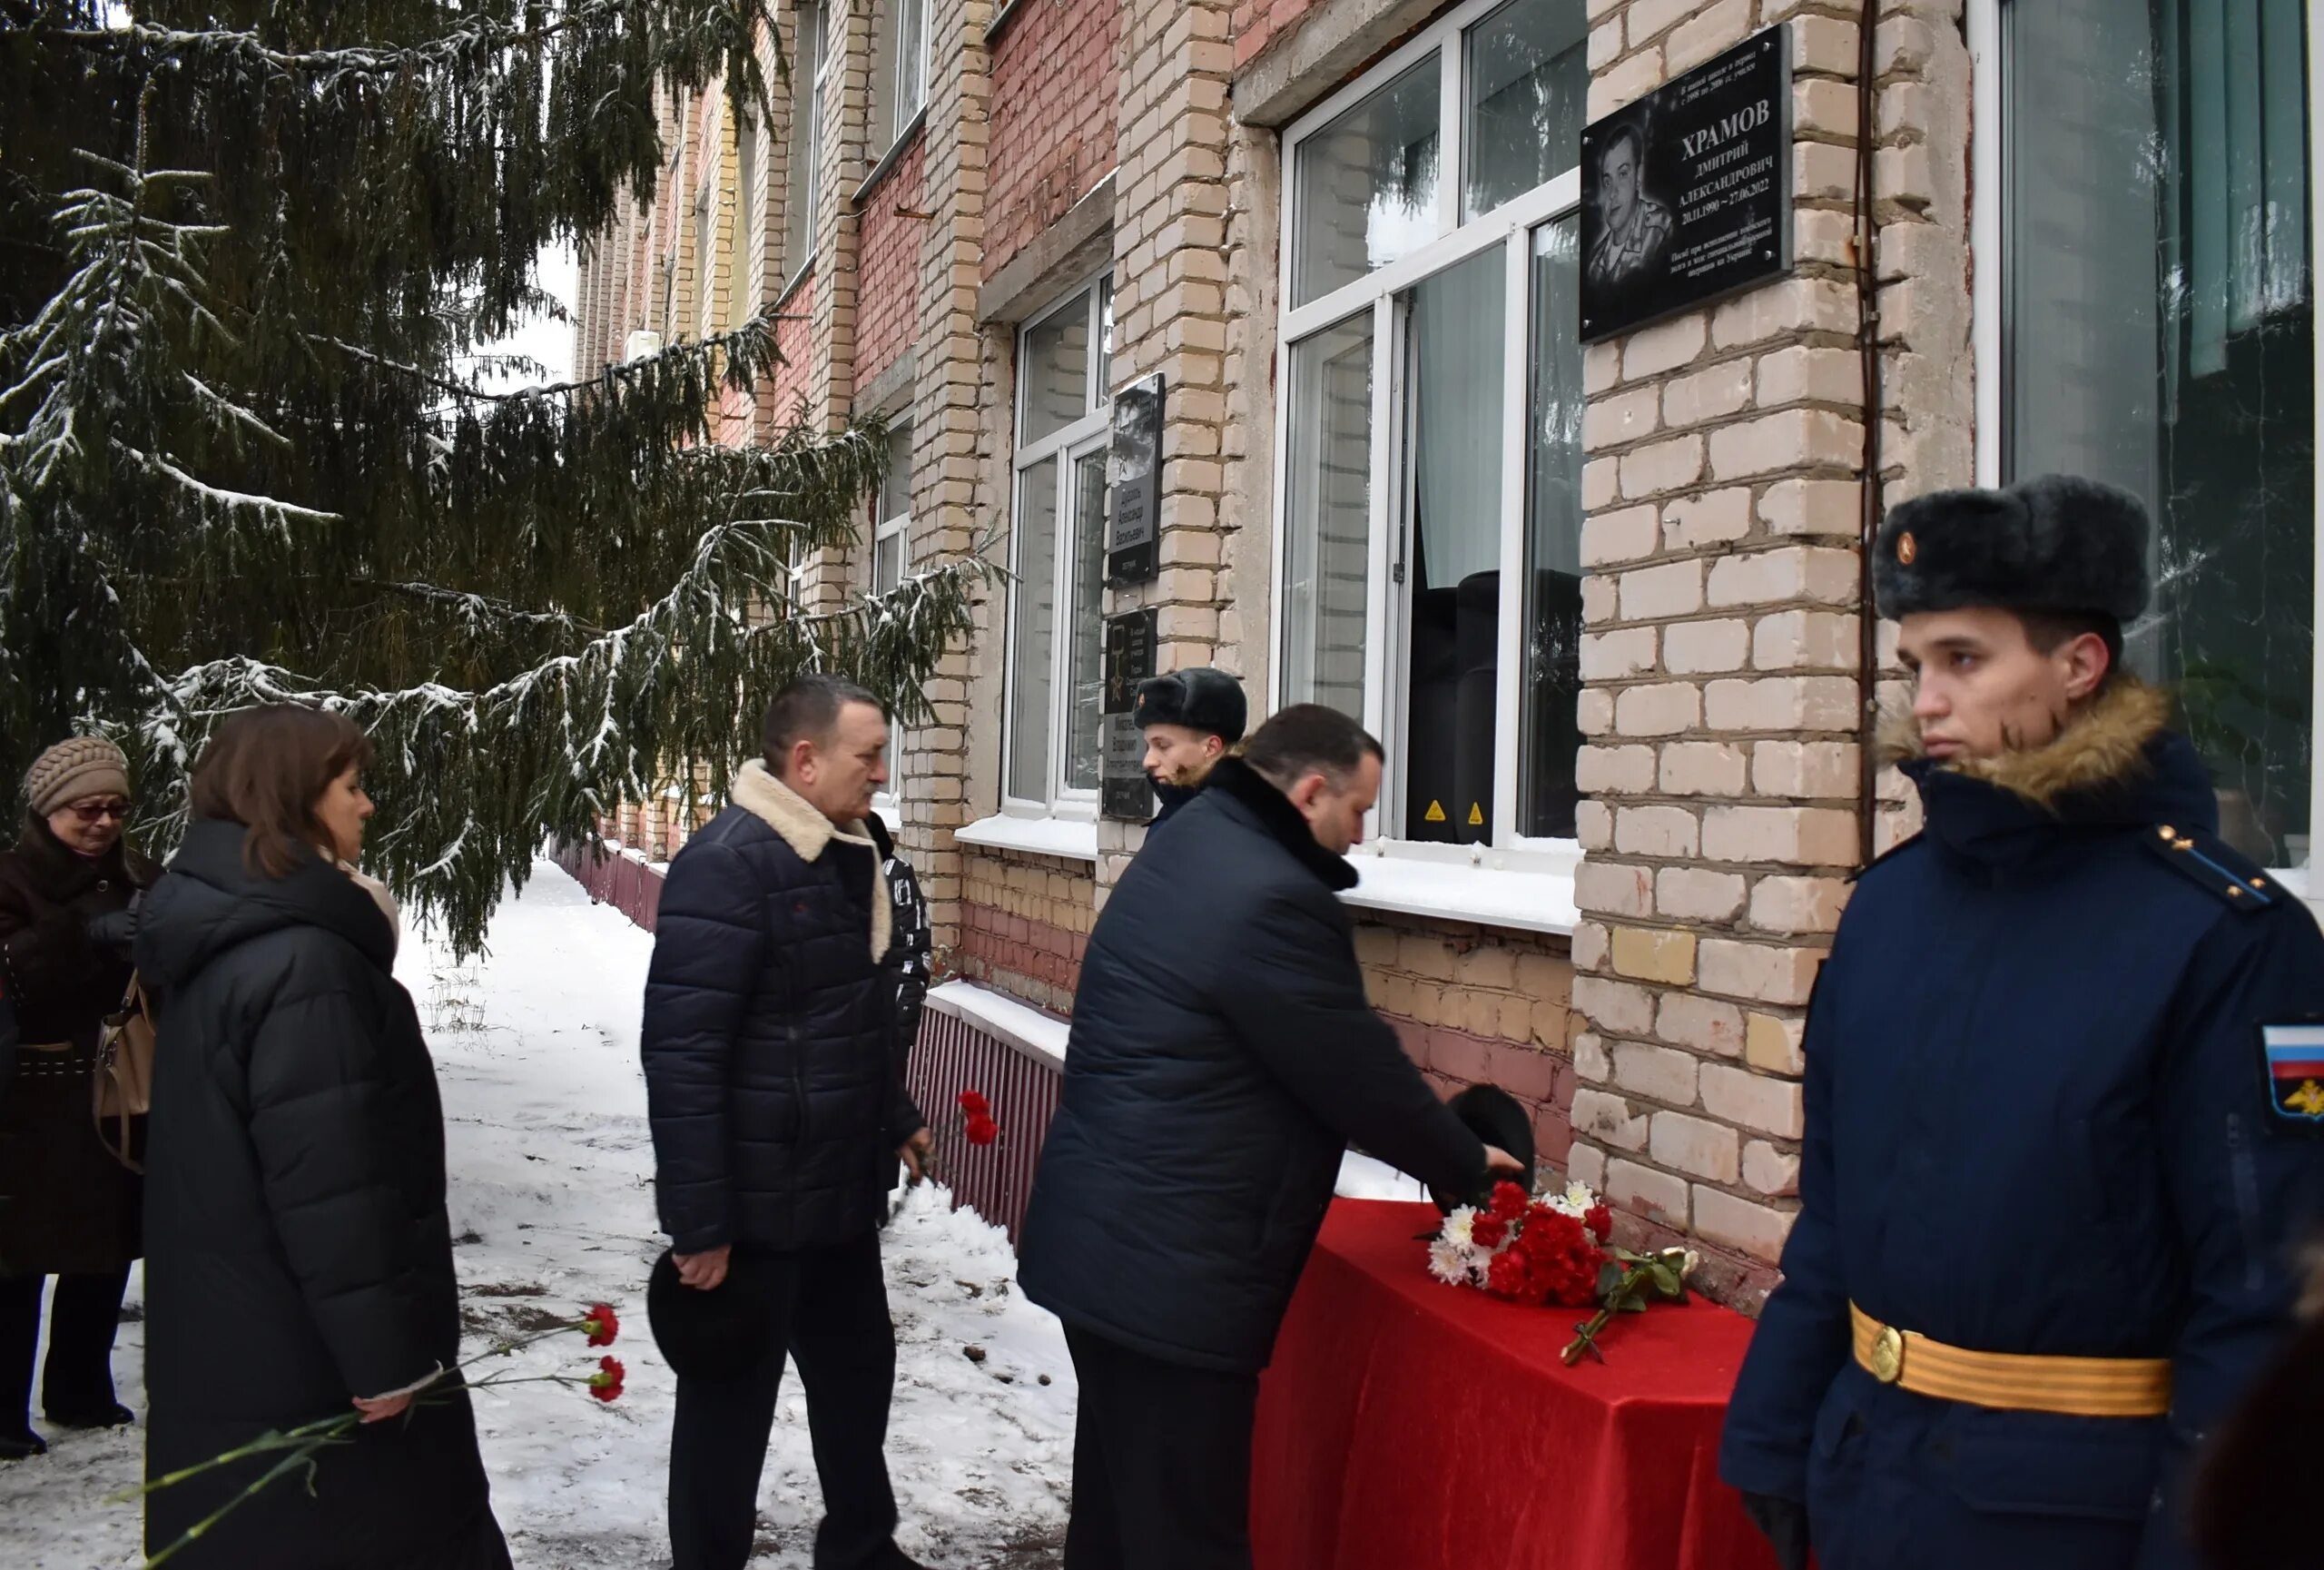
(1124, 791)
(1686, 194)
(1130, 642)
(1137, 473)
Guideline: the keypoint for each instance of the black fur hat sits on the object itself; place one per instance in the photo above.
(1199, 698)
(2057, 543)
(718, 1334)
(1497, 1118)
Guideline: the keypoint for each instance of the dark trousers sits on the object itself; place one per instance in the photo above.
(830, 1308)
(1161, 1463)
(77, 1379)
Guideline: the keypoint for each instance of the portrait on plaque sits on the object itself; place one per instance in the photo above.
(1686, 194)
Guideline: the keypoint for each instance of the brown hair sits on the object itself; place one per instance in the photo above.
(265, 769)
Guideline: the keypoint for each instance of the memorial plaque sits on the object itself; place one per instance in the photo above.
(1686, 194)
(1136, 469)
(1124, 792)
(1130, 644)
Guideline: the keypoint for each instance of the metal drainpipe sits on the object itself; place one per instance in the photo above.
(1868, 294)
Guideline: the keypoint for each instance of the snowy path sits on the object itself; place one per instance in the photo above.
(536, 1048)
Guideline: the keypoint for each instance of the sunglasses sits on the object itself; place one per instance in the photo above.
(100, 812)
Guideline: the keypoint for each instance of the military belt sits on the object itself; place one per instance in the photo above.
(2011, 1381)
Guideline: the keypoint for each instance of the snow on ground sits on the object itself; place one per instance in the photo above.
(552, 1201)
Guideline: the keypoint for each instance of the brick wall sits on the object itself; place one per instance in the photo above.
(1259, 24)
(795, 338)
(887, 312)
(1054, 92)
(1025, 921)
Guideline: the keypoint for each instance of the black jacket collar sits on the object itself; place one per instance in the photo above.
(1237, 782)
(65, 876)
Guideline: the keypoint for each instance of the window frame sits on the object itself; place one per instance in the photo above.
(888, 801)
(1384, 292)
(796, 267)
(1988, 247)
(899, 119)
(1063, 449)
(750, 211)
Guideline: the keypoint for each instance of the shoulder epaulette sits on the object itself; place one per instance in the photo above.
(2203, 858)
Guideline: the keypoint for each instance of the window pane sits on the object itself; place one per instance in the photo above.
(1452, 650)
(804, 172)
(911, 85)
(747, 206)
(1035, 628)
(1529, 76)
(1056, 370)
(888, 561)
(1090, 498)
(1549, 699)
(895, 484)
(1105, 341)
(1329, 517)
(2161, 335)
(1365, 185)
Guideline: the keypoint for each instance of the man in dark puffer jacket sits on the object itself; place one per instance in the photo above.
(1222, 1057)
(774, 1078)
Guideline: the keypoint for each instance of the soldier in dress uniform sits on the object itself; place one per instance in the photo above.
(2065, 1093)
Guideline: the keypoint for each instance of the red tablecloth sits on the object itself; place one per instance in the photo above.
(1406, 1425)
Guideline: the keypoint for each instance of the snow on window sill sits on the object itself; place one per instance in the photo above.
(1073, 839)
(1026, 1028)
(1529, 892)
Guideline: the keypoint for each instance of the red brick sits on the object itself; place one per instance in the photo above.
(1056, 94)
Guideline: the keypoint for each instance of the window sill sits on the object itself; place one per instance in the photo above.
(792, 284)
(1534, 898)
(890, 159)
(1029, 1030)
(1071, 839)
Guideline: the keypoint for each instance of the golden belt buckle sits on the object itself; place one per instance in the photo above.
(1887, 1358)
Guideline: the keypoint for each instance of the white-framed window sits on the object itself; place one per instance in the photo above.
(890, 556)
(899, 81)
(1429, 581)
(803, 183)
(1057, 556)
(2146, 315)
(749, 202)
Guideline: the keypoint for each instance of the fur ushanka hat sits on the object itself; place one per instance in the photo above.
(1497, 1118)
(2057, 543)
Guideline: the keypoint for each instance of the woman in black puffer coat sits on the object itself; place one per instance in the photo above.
(301, 1259)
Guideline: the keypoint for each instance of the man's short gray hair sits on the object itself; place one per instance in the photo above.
(808, 710)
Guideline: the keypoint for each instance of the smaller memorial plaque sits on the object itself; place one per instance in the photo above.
(1686, 194)
(1131, 643)
(1135, 467)
(1124, 792)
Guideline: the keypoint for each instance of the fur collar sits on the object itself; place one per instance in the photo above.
(1232, 777)
(2108, 745)
(809, 833)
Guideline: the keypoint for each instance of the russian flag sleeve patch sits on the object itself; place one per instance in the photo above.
(2295, 1062)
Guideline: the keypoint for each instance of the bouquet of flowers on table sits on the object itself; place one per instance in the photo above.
(301, 1448)
(1556, 1250)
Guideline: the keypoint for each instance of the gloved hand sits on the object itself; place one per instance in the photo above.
(116, 929)
(1785, 1524)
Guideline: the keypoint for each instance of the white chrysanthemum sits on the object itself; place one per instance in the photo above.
(1579, 1197)
(1449, 1262)
(1457, 1228)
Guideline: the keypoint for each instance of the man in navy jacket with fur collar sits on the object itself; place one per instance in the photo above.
(2064, 1142)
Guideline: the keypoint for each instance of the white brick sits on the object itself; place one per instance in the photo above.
(1823, 173)
(1658, 1196)
(1598, 599)
(1649, 17)
(1728, 1223)
(1783, 309)
(1817, 508)
(1769, 1170)
(1664, 346)
(1805, 639)
(1659, 593)
(1771, 1045)
(1804, 769)
(1705, 1024)
(1593, 825)
(1619, 421)
(1619, 654)
(1753, 1101)
(1601, 483)
(1720, 27)
(1608, 1119)
(1794, 836)
(1631, 534)
(1663, 467)
(1660, 1072)
(1588, 945)
(1655, 831)
(1615, 1007)
(1594, 711)
(1592, 1065)
(1601, 368)
(1794, 905)
(1820, 104)
(1587, 1164)
(1761, 972)
(1792, 572)
(1631, 79)
(1775, 443)
(1782, 703)
(1703, 768)
(1610, 888)
(1706, 395)
(1697, 647)
(1698, 894)
(1801, 374)
(1665, 709)
(1715, 519)
(1605, 45)
(1614, 770)
(1696, 1146)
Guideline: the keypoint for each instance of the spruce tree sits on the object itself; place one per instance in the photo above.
(248, 255)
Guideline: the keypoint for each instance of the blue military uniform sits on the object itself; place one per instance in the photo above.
(2040, 1122)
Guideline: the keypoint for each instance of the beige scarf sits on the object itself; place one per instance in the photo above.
(381, 897)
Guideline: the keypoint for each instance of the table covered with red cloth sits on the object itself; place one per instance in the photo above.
(1406, 1425)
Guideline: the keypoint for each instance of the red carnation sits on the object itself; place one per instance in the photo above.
(1507, 1277)
(1487, 1231)
(605, 1383)
(973, 1103)
(1600, 1221)
(980, 1129)
(1507, 1201)
(602, 1323)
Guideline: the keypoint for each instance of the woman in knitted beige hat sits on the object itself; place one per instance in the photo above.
(68, 1209)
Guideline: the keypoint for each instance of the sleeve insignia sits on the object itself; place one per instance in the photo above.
(2204, 859)
(2295, 1063)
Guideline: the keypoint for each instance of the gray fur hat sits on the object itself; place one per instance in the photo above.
(2057, 543)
